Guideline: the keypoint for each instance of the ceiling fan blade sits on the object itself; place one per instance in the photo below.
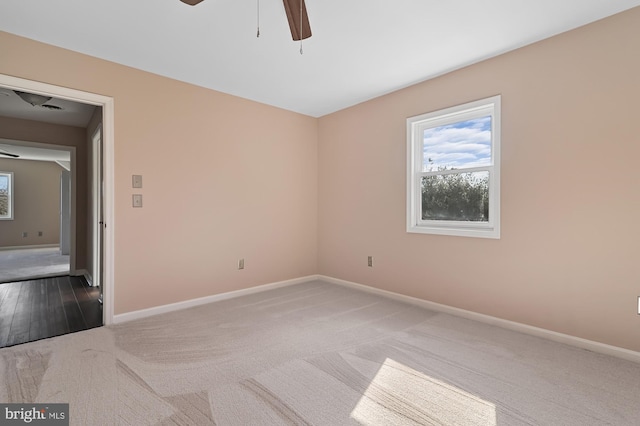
(191, 2)
(8, 154)
(299, 30)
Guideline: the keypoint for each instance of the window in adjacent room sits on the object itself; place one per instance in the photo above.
(6, 195)
(453, 170)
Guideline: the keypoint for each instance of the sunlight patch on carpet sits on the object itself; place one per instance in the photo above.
(421, 399)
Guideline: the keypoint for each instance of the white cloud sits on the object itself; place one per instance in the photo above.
(464, 144)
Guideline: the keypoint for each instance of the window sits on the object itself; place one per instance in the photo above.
(6, 194)
(453, 170)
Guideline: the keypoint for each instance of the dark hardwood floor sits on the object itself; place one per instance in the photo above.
(47, 307)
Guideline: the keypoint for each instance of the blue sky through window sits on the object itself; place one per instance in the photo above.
(459, 145)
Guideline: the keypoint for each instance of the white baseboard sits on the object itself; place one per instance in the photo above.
(143, 313)
(35, 246)
(499, 322)
(86, 275)
(590, 345)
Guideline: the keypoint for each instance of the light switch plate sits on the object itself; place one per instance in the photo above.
(137, 200)
(137, 181)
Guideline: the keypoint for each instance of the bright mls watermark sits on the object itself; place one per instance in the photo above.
(34, 414)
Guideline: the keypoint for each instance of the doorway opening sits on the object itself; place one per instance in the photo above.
(97, 268)
(39, 233)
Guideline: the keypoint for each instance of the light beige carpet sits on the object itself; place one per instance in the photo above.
(25, 264)
(319, 354)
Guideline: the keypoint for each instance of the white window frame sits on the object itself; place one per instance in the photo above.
(10, 187)
(415, 135)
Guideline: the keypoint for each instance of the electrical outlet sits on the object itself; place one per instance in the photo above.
(370, 261)
(39, 233)
(25, 234)
(241, 264)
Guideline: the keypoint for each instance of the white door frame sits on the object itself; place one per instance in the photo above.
(96, 207)
(67, 206)
(106, 102)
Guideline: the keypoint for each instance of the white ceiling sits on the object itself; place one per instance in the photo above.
(360, 49)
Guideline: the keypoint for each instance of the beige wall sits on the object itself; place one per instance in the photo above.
(224, 178)
(35, 131)
(568, 257)
(36, 192)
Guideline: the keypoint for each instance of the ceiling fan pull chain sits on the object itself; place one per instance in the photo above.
(301, 26)
(258, 17)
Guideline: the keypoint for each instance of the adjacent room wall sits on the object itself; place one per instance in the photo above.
(568, 257)
(224, 178)
(36, 192)
(55, 134)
